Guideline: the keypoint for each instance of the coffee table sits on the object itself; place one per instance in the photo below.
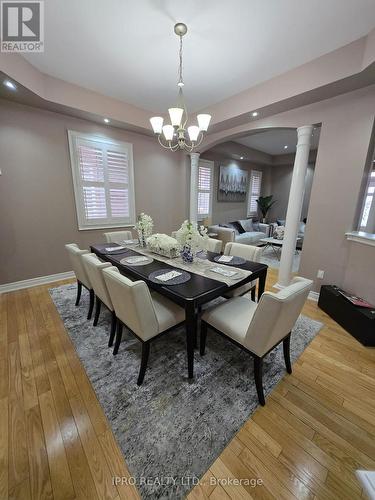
(276, 245)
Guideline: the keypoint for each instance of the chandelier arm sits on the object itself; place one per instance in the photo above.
(161, 143)
(198, 143)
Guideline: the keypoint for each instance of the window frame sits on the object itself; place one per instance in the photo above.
(73, 140)
(206, 164)
(250, 193)
(370, 184)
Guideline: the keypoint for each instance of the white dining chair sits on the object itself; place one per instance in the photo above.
(118, 236)
(214, 245)
(146, 316)
(259, 328)
(247, 252)
(94, 268)
(75, 256)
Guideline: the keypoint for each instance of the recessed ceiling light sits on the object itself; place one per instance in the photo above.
(241, 157)
(10, 84)
(285, 147)
(106, 120)
(254, 113)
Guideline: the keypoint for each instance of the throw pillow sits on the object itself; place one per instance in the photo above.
(237, 226)
(278, 233)
(247, 225)
(280, 222)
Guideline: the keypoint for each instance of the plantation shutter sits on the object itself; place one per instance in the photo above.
(254, 192)
(103, 181)
(205, 186)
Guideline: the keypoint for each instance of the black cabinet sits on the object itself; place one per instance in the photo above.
(358, 321)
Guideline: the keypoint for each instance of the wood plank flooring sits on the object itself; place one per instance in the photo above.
(317, 427)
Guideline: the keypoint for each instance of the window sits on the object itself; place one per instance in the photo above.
(103, 181)
(254, 192)
(205, 185)
(367, 218)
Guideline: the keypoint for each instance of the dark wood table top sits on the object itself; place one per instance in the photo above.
(199, 289)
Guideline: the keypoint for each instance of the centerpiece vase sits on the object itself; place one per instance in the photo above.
(142, 238)
(187, 255)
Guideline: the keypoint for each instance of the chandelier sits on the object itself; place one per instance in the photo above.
(173, 136)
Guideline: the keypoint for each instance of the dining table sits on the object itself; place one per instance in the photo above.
(190, 295)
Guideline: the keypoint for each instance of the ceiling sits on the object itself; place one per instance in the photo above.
(127, 49)
(273, 142)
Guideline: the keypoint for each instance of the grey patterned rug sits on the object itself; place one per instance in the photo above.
(170, 430)
(269, 257)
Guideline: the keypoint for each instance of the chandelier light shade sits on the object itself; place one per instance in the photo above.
(177, 135)
(203, 122)
(175, 115)
(168, 132)
(157, 124)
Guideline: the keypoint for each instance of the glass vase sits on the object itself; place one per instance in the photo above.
(142, 238)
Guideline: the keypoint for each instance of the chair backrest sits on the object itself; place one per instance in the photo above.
(132, 302)
(214, 245)
(118, 236)
(275, 315)
(75, 256)
(248, 252)
(94, 268)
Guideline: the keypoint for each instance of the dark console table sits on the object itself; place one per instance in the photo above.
(358, 321)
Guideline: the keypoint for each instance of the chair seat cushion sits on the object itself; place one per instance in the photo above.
(232, 317)
(167, 312)
(240, 290)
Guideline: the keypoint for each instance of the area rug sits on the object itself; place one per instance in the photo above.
(171, 429)
(269, 258)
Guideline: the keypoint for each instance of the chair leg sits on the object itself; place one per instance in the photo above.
(92, 300)
(253, 290)
(79, 290)
(258, 375)
(286, 349)
(118, 337)
(113, 329)
(145, 353)
(97, 310)
(203, 337)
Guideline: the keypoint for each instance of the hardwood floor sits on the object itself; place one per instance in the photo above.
(317, 427)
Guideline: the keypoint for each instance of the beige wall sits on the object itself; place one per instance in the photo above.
(347, 122)
(36, 191)
(281, 178)
(223, 212)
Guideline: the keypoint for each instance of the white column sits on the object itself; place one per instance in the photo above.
(194, 160)
(297, 191)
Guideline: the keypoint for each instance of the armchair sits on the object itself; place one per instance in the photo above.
(259, 328)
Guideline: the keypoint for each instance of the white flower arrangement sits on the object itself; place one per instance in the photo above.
(144, 227)
(191, 237)
(163, 244)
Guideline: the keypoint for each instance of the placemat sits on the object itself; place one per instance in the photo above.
(144, 263)
(178, 280)
(236, 261)
(115, 252)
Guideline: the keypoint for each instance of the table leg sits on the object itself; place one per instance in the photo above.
(261, 283)
(191, 334)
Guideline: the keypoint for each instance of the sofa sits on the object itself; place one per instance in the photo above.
(244, 231)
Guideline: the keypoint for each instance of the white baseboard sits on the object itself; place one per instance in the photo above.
(42, 280)
(312, 295)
